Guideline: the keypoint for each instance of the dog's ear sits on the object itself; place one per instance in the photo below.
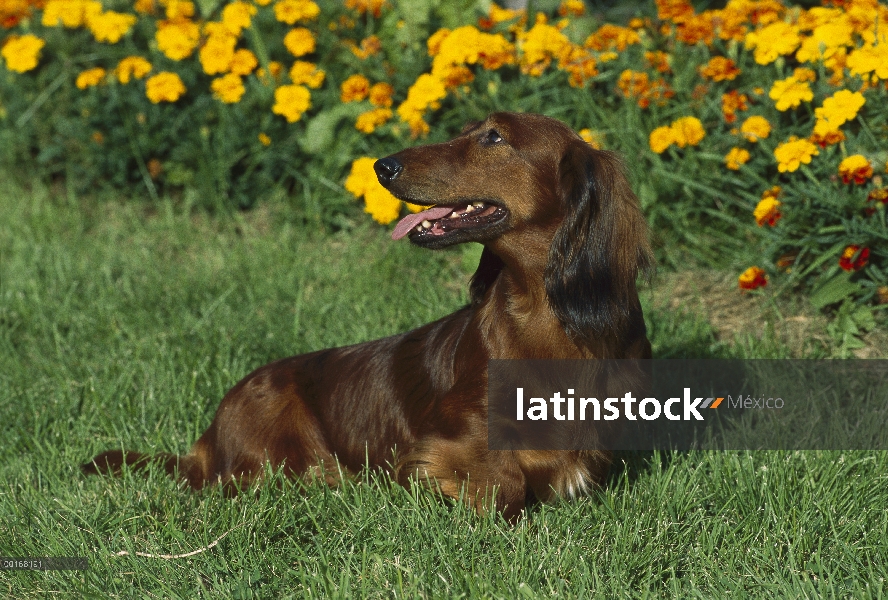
(597, 252)
(489, 268)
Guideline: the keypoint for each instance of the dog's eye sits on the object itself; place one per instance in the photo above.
(492, 137)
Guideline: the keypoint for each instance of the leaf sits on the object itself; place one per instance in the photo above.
(320, 133)
(834, 290)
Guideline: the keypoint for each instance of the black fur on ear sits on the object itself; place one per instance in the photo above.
(489, 268)
(598, 252)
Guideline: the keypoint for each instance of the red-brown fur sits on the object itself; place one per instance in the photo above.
(557, 279)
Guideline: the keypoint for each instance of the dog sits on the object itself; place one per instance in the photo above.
(564, 242)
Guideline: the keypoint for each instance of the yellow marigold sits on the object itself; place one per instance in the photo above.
(752, 278)
(373, 7)
(839, 108)
(291, 102)
(661, 138)
(688, 131)
(593, 138)
(264, 139)
(21, 52)
(826, 39)
(755, 128)
(791, 154)
(236, 16)
(381, 94)
(90, 78)
(306, 73)
(574, 8)
(370, 46)
(720, 68)
(177, 39)
(217, 53)
(354, 89)
(426, 92)
(767, 211)
(274, 68)
(164, 87)
(145, 7)
(539, 46)
(368, 122)
(612, 37)
(435, 40)
(869, 59)
(177, 10)
(789, 93)
(70, 13)
(131, 66)
(856, 169)
(299, 41)
(291, 11)
(804, 74)
(467, 46)
(243, 62)
(379, 202)
(774, 40)
(736, 157)
(229, 88)
(110, 26)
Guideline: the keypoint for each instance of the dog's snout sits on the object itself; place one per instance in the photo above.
(387, 169)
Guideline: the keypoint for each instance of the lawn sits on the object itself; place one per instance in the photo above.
(123, 325)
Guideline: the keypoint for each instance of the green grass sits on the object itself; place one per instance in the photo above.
(123, 328)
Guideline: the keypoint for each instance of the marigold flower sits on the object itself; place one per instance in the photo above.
(381, 94)
(574, 8)
(145, 7)
(264, 139)
(732, 102)
(291, 11)
(236, 16)
(21, 52)
(854, 258)
(177, 39)
(755, 128)
(855, 169)
(368, 122)
(291, 102)
(354, 89)
(661, 138)
(299, 41)
(426, 92)
(736, 157)
(720, 68)
(839, 108)
(593, 138)
(752, 278)
(243, 62)
(110, 26)
(369, 47)
(435, 40)
(688, 131)
(767, 211)
(373, 7)
(306, 73)
(229, 88)
(791, 154)
(378, 201)
(539, 46)
(90, 78)
(657, 60)
(131, 66)
(70, 13)
(612, 37)
(804, 74)
(790, 92)
(869, 59)
(827, 138)
(164, 87)
(826, 39)
(217, 54)
(774, 40)
(876, 196)
(177, 10)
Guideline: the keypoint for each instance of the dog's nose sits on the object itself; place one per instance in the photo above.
(387, 169)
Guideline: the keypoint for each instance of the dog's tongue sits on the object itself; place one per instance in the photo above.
(412, 220)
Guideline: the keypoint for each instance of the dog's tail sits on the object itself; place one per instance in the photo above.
(188, 467)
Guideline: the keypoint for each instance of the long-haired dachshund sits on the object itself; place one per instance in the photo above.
(564, 241)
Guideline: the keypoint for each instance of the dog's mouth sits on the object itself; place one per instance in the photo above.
(443, 219)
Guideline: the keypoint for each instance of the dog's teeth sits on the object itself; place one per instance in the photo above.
(470, 208)
(478, 204)
(426, 224)
(419, 228)
(454, 215)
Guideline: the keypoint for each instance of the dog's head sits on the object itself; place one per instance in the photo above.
(540, 199)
